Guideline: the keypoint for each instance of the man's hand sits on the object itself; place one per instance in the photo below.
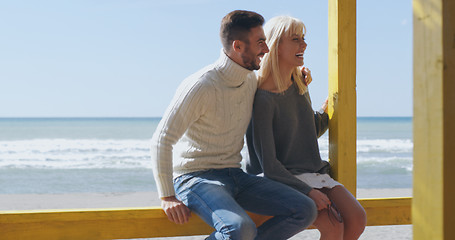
(175, 210)
(320, 198)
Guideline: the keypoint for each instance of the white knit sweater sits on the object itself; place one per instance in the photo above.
(206, 121)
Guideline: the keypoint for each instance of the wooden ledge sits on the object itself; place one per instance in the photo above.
(124, 223)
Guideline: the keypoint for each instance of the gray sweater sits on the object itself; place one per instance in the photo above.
(283, 136)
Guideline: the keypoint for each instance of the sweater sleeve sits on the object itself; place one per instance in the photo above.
(264, 146)
(186, 107)
(253, 166)
(321, 121)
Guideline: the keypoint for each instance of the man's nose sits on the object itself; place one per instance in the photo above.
(266, 48)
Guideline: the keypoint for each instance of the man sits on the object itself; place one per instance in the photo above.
(206, 121)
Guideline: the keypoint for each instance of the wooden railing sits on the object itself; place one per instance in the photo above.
(126, 223)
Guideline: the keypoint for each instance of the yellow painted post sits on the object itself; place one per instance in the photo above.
(433, 209)
(342, 91)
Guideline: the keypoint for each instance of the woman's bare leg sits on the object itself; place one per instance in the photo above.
(354, 216)
(330, 229)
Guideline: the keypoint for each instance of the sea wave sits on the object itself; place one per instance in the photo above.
(375, 145)
(75, 153)
(385, 145)
(135, 153)
(391, 163)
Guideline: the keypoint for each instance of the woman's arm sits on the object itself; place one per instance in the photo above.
(321, 119)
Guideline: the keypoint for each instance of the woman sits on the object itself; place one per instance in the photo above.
(283, 133)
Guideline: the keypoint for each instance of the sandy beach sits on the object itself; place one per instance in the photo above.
(147, 199)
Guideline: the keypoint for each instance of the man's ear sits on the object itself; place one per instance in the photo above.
(237, 46)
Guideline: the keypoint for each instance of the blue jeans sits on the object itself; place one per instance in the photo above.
(221, 196)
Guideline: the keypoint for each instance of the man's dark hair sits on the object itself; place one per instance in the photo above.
(236, 25)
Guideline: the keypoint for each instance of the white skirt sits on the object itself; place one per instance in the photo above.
(317, 180)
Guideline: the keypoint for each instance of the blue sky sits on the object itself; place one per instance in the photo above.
(112, 58)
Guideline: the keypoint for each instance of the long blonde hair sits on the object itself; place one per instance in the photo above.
(274, 30)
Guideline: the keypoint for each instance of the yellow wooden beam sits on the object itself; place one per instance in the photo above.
(124, 223)
(434, 113)
(342, 91)
(387, 211)
(95, 224)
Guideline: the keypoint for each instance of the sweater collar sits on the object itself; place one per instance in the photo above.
(232, 74)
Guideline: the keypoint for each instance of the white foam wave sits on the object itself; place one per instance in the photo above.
(75, 153)
(135, 153)
(385, 145)
(392, 162)
(384, 159)
(375, 145)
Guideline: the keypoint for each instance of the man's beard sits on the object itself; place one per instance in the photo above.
(250, 61)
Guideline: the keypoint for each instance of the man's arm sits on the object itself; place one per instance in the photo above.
(188, 104)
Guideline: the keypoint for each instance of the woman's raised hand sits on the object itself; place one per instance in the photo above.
(306, 76)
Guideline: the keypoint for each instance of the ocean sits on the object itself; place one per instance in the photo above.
(80, 155)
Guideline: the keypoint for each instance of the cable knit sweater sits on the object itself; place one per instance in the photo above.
(203, 127)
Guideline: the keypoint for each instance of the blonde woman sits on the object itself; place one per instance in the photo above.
(283, 133)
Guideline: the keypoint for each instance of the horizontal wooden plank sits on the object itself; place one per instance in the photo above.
(387, 211)
(124, 223)
(79, 214)
(95, 224)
